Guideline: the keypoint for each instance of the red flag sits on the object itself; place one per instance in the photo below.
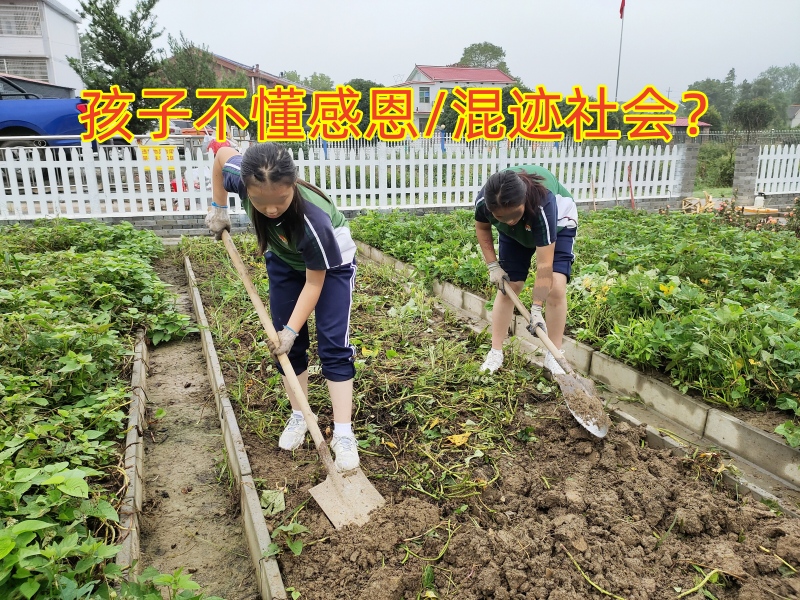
(622, 9)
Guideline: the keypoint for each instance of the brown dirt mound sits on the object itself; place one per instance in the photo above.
(604, 501)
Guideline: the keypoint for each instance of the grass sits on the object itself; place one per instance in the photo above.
(716, 192)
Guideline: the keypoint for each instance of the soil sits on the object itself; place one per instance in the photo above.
(604, 501)
(190, 519)
(636, 520)
(583, 402)
(766, 421)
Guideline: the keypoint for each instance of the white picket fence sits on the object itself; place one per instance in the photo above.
(778, 169)
(407, 178)
(77, 182)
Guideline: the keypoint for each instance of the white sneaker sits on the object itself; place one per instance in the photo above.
(346, 449)
(294, 434)
(551, 365)
(494, 360)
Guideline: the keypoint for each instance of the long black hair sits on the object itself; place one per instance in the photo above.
(510, 189)
(272, 163)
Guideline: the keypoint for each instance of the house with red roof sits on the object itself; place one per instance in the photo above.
(681, 123)
(426, 81)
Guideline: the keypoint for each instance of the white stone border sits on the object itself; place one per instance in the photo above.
(268, 576)
(765, 450)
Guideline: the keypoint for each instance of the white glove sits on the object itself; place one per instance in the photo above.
(497, 276)
(218, 220)
(537, 320)
(286, 339)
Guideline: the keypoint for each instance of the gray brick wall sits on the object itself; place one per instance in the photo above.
(691, 150)
(745, 171)
(175, 226)
(781, 200)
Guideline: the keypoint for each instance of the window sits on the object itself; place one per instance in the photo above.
(423, 122)
(20, 19)
(32, 68)
(424, 95)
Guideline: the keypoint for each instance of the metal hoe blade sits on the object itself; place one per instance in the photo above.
(584, 405)
(347, 498)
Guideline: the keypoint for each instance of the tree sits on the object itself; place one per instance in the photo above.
(363, 86)
(316, 81)
(119, 51)
(485, 55)
(720, 94)
(729, 90)
(293, 76)
(713, 118)
(761, 87)
(753, 115)
(745, 91)
(190, 67)
(319, 81)
(783, 79)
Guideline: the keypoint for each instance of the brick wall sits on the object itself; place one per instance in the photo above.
(745, 171)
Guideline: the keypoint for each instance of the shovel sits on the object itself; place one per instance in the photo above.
(345, 498)
(579, 392)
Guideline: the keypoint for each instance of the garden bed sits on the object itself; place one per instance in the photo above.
(707, 306)
(72, 295)
(492, 489)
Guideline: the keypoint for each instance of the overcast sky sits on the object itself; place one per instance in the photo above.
(558, 43)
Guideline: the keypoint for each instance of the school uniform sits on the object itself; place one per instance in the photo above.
(555, 221)
(326, 245)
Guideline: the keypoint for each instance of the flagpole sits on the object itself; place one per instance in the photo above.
(619, 58)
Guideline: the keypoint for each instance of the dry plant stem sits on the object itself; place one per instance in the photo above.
(700, 585)
(778, 557)
(586, 577)
(697, 564)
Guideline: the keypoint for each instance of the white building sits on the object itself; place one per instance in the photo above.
(793, 114)
(427, 81)
(36, 37)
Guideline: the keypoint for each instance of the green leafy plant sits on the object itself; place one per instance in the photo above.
(290, 535)
(150, 584)
(790, 432)
(72, 295)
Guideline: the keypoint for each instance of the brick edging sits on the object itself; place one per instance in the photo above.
(268, 577)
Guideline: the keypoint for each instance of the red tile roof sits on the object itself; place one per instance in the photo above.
(682, 122)
(466, 74)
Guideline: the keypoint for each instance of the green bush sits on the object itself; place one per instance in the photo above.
(715, 165)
